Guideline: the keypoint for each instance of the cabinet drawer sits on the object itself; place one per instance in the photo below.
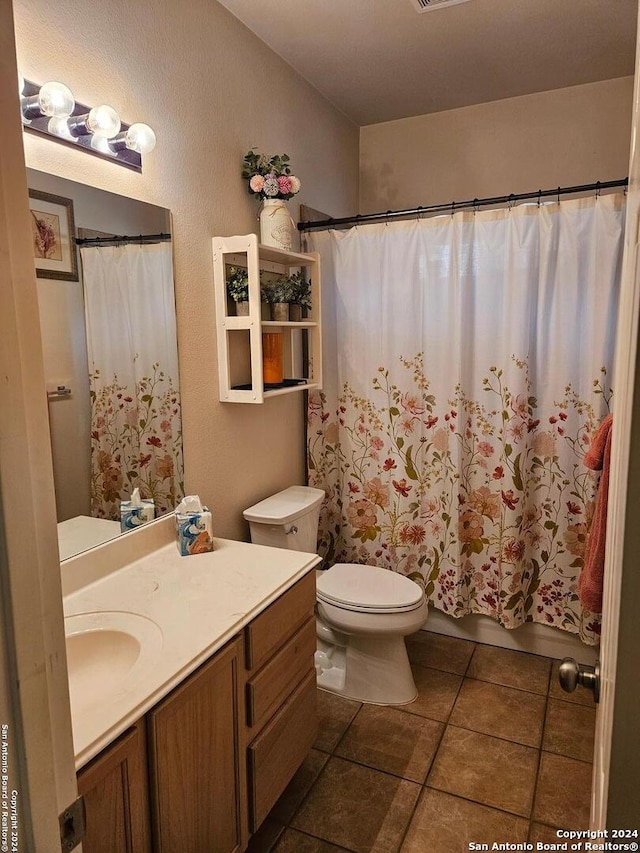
(270, 687)
(270, 629)
(278, 751)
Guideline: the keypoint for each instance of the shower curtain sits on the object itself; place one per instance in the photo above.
(136, 429)
(469, 363)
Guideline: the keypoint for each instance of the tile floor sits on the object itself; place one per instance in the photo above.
(492, 750)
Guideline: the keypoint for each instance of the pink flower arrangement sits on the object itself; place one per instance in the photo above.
(285, 185)
(269, 176)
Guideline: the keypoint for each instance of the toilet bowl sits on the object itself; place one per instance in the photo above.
(363, 613)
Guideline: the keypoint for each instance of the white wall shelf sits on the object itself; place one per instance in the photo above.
(240, 338)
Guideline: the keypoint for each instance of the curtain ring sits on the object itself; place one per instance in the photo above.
(475, 206)
(419, 212)
(453, 208)
(558, 195)
(598, 189)
(511, 201)
(386, 221)
(539, 197)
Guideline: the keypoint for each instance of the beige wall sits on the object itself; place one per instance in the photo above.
(210, 90)
(563, 137)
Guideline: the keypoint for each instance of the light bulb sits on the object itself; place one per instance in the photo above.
(55, 99)
(140, 137)
(101, 144)
(59, 126)
(103, 121)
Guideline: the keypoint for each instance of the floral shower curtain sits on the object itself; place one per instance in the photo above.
(136, 428)
(469, 361)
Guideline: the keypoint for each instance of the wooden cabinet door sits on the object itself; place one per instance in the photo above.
(114, 787)
(194, 761)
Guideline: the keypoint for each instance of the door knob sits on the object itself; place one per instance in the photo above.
(572, 673)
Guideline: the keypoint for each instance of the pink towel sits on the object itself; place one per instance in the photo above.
(591, 580)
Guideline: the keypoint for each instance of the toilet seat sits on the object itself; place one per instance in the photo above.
(368, 589)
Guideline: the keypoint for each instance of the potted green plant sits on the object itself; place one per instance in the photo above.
(238, 289)
(280, 295)
(265, 300)
(300, 296)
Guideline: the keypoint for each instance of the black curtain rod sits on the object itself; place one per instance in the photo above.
(141, 238)
(474, 204)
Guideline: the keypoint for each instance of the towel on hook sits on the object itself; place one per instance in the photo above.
(591, 580)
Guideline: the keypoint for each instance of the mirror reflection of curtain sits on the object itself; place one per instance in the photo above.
(468, 363)
(136, 425)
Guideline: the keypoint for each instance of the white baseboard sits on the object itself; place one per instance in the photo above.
(531, 637)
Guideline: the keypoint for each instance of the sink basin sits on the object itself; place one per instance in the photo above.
(106, 652)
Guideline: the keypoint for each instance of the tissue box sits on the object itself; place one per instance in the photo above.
(194, 532)
(133, 516)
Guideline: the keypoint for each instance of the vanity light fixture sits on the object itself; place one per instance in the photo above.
(52, 111)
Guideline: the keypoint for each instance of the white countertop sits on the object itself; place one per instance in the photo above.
(198, 603)
(83, 532)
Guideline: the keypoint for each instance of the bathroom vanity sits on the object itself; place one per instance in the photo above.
(190, 751)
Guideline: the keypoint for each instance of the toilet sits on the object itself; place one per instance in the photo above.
(363, 613)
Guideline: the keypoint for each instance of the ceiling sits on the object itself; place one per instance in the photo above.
(379, 60)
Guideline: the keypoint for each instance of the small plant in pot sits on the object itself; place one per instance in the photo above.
(238, 289)
(280, 293)
(300, 296)
(265, 300)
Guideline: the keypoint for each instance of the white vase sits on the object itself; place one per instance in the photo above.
(275, 224)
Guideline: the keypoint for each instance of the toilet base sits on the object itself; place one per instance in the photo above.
(368, 669)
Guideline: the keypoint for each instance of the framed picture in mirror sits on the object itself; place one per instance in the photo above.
(53, 232)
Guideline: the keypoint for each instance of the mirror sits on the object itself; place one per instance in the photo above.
(110, 356)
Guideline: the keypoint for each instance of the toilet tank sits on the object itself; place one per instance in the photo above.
(288, 519)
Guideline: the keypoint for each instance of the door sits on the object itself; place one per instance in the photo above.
(615, 796)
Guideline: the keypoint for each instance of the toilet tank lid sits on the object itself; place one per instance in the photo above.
(285, 506)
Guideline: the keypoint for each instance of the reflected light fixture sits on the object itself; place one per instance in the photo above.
(51, 110)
